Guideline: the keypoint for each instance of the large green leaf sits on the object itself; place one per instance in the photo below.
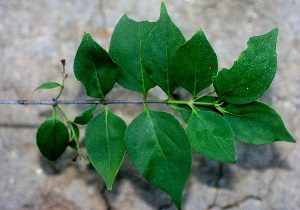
(158, 146)
(256, 123)
(251, 75)
(211, 136)
(161, 44)
(126, 49)
(84, 117)
(94, 68)
(104, 142)
(194, 64)
(52, 137)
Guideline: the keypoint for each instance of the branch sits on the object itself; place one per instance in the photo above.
(55, 102)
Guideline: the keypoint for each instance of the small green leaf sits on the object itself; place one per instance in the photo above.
(52, 137)
(94, 68)
(161, 44)
(256, 123)
(84, 117)
(48, 85)
(251, 75)
(74, 135)
(126, 49)
(104, 142)
(211, 136)
(194, 64)
(158, 146)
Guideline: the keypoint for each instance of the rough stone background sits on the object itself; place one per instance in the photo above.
(35, 35)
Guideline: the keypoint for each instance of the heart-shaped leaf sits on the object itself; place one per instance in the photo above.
(158, 146)
(194, 64)
(94, 68)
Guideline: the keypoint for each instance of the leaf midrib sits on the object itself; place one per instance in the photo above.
(152, 125)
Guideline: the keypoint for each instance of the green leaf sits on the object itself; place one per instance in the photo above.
(251, 75)
(48, 85)
(52, 137)
(185, 111)
(158, 146)
(194, 64)
(126, 49)
(104, 142)
(211, 136)
(84, 117)
(161, 44)
(74, 135)
(256, 123)
(94, 68)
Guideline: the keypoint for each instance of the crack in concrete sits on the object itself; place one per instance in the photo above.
(220, 175)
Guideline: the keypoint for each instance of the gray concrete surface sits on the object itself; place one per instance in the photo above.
(35, 35)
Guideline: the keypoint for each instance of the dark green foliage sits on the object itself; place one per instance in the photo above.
(194, 64)
(251, 75)
(84, 117)
(256, 123)
(104, 142)
(145, 54)
(52, 137)
(126, 48)
(158, 146)
(94, 68)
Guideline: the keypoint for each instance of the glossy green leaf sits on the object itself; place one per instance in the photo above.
(251, 75)
(104, 142)
(126, 49)
(211, 136)
(48, 85)
(185, 111)
(194, 64)
(52, 137)
(74, 135)
(84, 117)
(161, 44)
(256, 123)
(94, 68)
(158, 146)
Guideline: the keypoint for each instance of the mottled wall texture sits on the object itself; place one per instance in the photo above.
(35, 35)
